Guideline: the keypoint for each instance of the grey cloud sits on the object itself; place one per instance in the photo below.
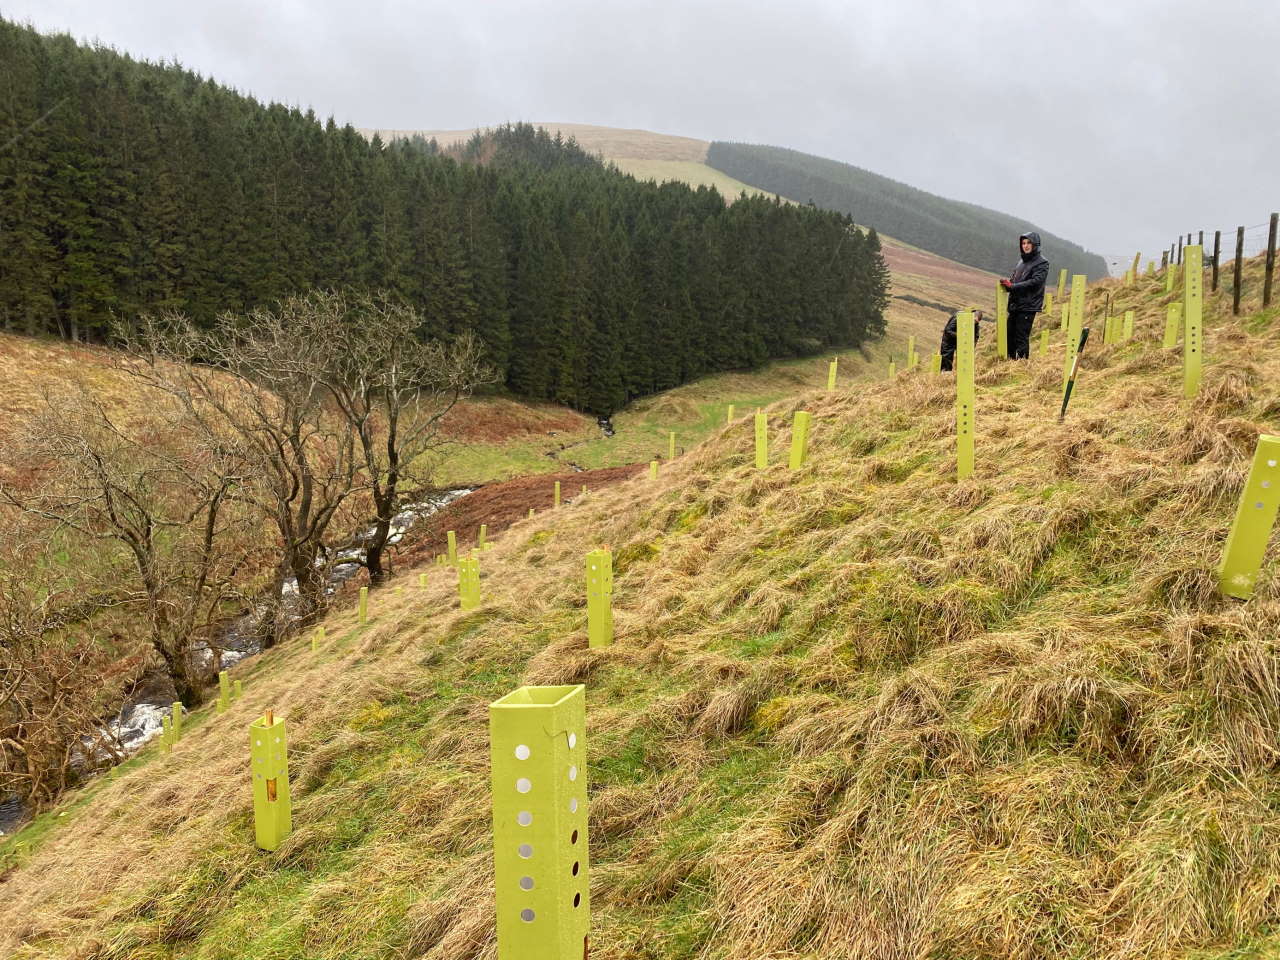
(1114, 124)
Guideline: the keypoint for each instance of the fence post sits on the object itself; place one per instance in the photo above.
(268, 750)
(1076, 321)
(1235, 293)
(468, 583)
(964, 395)
(600, 598)
(1255, 517)
(831, 374)
(1271, 261)
(799, 439)
(1180, 247)
(1128, 324)
(671, 445)
(453, 548)
(1002, 322)
(538, 770)
(762, 440)
(729, 418)
(1217, 252)
(1172, 320)
(224, 691)
(1192, 311)
(555, 504)
(362, 616)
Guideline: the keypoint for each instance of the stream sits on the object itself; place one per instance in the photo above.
(141, 718)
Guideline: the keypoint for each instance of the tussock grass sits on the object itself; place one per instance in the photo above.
(854, 710)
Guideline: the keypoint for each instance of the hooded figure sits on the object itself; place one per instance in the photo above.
(1026, 294)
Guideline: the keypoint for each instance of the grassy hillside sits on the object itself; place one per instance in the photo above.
(965, 232)
(853, 710)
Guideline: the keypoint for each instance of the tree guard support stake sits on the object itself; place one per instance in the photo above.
(538, 769)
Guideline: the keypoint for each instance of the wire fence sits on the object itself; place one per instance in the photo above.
(1255, 243)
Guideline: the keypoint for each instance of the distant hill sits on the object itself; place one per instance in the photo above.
(964, 232)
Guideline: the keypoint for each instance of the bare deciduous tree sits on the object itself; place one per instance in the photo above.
(250, 385)
(395, 391)
(167, 504)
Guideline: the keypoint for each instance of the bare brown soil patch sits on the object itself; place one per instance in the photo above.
(498, 506)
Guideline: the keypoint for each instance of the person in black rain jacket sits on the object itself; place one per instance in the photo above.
(948, 348)
(1026, 294)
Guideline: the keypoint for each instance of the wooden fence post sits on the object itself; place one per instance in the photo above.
(1217, 252)
(964, 395)
(1255, 518)
(538, 771)
(1192, 314)
(1271, 261)
(1235, 293)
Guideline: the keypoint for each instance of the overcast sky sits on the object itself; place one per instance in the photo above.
(1116, 123)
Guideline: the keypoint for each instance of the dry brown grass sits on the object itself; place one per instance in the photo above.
(855, 710)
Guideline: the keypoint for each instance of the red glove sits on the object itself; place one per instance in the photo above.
(1006, 284)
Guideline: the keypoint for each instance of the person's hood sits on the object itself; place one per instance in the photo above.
(1035, 244)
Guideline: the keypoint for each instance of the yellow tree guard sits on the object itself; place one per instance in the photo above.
(538, 769)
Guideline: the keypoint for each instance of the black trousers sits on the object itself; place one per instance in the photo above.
(1020, 334)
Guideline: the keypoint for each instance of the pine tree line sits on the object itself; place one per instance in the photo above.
(128, 187)
(964, 232)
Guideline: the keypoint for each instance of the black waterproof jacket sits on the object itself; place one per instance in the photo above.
(1026, 290)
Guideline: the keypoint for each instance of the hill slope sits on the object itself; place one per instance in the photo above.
(854, 710)
(965, 232)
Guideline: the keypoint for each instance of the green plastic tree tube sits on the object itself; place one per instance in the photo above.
(799, 439)
(538, 770)
(1192, 317)
(1255, 518)
(268, 753)
(762, 440)
(599, 566)
(964, 396)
